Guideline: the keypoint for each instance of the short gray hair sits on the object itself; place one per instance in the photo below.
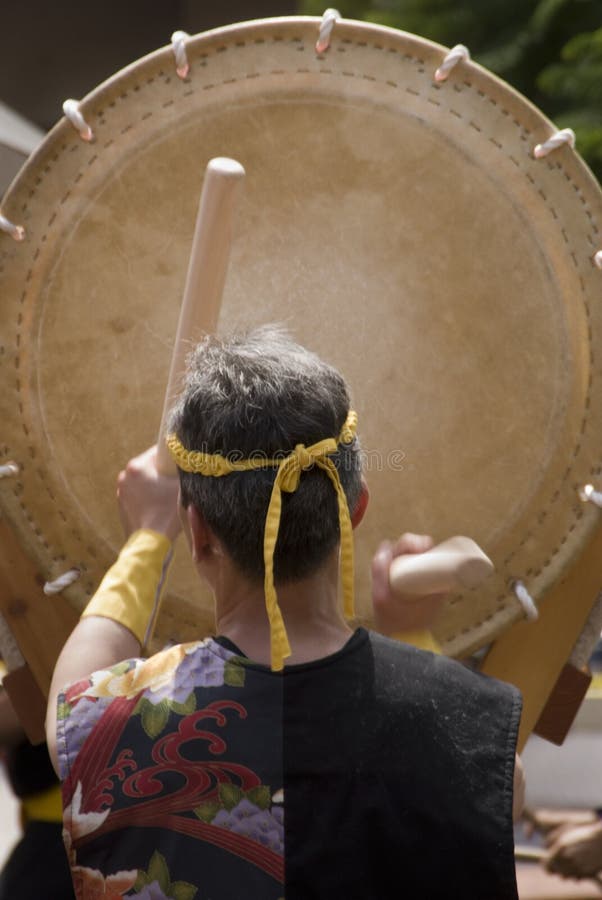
(260, 393)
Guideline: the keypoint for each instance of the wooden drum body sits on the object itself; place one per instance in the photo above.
(400, 227)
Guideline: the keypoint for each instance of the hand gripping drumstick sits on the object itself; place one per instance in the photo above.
(205, 279)
(454, 565)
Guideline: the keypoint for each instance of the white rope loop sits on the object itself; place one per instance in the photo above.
(326, 25)
(63, 581)
(17, 232)
(456, 54)
(8, 469)
(598, 259)
(588, 494)
(178, 43)
(72, 111)
(526, 600)
(565, 136)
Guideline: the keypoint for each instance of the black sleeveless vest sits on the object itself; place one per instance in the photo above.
(377, 773)
(399, 778)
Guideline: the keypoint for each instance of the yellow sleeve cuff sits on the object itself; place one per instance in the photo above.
(130, 593)
(46, 806)
(420, 638)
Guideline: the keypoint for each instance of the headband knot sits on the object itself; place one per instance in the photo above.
(304, 456)
(287, 479)
(300, 460)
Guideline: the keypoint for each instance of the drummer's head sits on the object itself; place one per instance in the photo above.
(258, 396)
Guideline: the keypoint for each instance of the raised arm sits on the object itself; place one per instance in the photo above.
(113, 625)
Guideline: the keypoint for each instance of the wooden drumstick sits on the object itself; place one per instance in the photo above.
(454, 565)
(205, 279)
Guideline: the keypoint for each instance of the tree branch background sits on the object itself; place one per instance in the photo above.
(549, 50)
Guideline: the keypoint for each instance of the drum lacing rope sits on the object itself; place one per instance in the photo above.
(598, 259)
(565, 136)
(63, 581)
(178, 43)
(455, 55)
(589, 494)
(526, 600)
(16, 231)
(9, 468)
(326, 25)
(72, 111)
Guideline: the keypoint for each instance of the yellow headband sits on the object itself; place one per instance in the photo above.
(287, 479)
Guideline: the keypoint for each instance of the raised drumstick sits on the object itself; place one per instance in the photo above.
(454, 565)
(205, 279)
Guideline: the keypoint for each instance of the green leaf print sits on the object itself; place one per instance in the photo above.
(234, 674)
(63, 711)
(154, 718)
(230, 795)
(141, 881)
(261, 796)
(121, 668)
(182, 890)
(186, 708)
(206, 812)
(139, 706)
(158, 871)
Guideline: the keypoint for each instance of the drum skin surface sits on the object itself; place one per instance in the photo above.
(400, 228)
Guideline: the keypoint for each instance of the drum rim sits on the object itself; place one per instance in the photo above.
(344, 30)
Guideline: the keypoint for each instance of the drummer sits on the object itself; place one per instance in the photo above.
(291, 755)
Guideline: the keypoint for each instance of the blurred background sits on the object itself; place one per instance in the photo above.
(550, 50)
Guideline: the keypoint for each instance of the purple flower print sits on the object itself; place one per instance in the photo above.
(262, 825)
(199, 668)
(152, 892)
(78, 725)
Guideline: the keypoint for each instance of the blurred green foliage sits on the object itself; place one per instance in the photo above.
(549, 50)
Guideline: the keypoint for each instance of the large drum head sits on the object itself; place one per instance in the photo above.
(400, 228)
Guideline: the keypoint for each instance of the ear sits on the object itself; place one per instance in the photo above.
(360, 507)
(202, 538)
